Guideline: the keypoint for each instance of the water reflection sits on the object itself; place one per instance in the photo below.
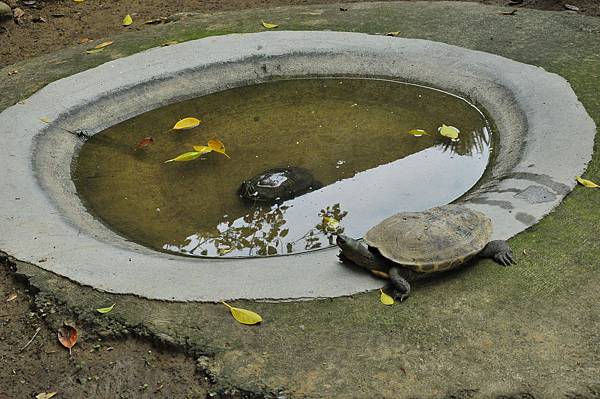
(263, 233)
(414, 183)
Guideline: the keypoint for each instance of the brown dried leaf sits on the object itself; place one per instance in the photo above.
(11, 297)
(67, 336)
(45, 395)
(146, 141)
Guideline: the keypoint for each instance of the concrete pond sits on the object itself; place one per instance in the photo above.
(483, 331)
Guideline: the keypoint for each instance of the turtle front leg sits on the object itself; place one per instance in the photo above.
(500, 251)
(400, 287)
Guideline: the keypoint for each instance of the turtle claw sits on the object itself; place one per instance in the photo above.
(505, 258)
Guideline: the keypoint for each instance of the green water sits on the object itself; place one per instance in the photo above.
(350, 133)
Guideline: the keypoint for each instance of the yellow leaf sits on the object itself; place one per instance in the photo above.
(46, 395)
(78, 1)
(269, 25)
(169, 43)
(449, 131)
(127, 20)
(45, 119)
(105, 310)
(204, 149)
(244, 316)
(331, 224)
(586, 183)
(94, 50)
(418, 132)
(186, 156)
(385, 298)
(395, 34)
(186, 123)
(104, 44)
(217, 146)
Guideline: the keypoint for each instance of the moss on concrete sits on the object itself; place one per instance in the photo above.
(483, 331)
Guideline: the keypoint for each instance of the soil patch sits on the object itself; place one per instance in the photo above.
(50, 25)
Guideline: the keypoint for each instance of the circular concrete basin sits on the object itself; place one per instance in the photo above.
(545, 139)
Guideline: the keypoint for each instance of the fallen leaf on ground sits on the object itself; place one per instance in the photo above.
(45, 395)
(571, 7)
(11, 297)
(104, 44)
(78, 1)
(217, 146)
(269, 25)
(513, 12)
(13, 72)
(186, 156)
(127, 20)
(153, 21)
(105, 310)
(38, 19)
(67, 336)
(146, 141)
(395, 34)
(449, 131)
(45, 119)
(84, 40)
(244, 316)
(385, 298)
(18, 14)
(587, 183)
(418, 132)
(186, 123)
(169, 43)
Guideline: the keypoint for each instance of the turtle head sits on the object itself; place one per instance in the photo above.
(357, 252)
(247, 190)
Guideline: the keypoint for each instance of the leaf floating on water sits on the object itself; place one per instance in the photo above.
(385, 298)
(127, 20)
(105, 310)
(269, 25)
(67, 336)
(587, 183)
(46, 395)
(395, 34)
(204, 149)
(244, 316)
(146, 141)
(186, 123)
(217, 146)
(186, 156)
(449, 131)
(418, 132)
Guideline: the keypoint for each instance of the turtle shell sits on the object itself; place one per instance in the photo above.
(434, 240)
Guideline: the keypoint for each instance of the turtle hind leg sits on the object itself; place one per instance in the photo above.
(400, 287)
(500, 251)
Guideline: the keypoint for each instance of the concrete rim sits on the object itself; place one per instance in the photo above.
(533, 111)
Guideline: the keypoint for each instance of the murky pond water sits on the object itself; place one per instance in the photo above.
(351, 134)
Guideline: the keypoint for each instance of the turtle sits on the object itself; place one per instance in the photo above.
(411, 245)
(279, 184)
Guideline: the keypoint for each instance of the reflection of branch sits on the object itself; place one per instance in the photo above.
(261, 232)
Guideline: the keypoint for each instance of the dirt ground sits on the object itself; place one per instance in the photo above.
(50, 25)
(126, 368)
